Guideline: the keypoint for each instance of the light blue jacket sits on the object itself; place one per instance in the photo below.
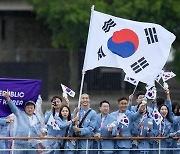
(87, 129)
(50, 130)
(165, 128)
(65, 126)
(125, 131)
(24, 129)
(144, 131)
(103, 130)
(4, 132)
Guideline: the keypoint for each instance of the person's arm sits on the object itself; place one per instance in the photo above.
(12, 106)
(65, 96)
(137, 114)
(2, 121)
(47, 116)
(62, 123)
(130, 102)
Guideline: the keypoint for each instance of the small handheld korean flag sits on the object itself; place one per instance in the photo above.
(159, 76)
(168, 75)
(52, 122)
(123, 119)
(151, 93)
(157, 116)
(131, 80)
(68, 91)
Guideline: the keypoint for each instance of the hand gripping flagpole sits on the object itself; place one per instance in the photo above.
(80, 92)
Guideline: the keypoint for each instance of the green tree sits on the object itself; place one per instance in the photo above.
(69, 19)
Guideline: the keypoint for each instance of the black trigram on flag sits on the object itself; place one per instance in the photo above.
(108, 24)
(151, 35)
(100, 53)
(139, 65)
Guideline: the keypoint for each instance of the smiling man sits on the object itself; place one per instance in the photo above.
(125, 119)
(28, 125)
(87, 123)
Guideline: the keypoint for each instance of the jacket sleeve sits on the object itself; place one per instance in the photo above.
(14, 108)
(47, 115)
(2, 121)
(61, 123)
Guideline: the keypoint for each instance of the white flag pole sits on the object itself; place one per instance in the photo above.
(135, 89)
(83, 72)
(80, 92)
(160, 84)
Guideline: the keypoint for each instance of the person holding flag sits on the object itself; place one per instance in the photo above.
(164, 128)
(87, 123)
(139, 98)
(65, 123)
(143, 127)
(52, 128)
(28, 124)
(125, 119)
(175, 122)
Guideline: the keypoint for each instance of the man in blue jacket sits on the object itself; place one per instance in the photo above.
(105, 127)
(87, 123)
(28, 125)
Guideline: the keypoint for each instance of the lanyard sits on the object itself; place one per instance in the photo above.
(102, 121)
(162, 127)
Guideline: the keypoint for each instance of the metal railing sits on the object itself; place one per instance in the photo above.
(159, 149)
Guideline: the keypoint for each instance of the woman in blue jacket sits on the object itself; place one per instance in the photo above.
(143, 127)
(65, 123)
(163, 129)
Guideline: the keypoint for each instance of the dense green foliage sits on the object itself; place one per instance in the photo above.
(69, 19)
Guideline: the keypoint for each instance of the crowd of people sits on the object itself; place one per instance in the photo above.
(129, 120)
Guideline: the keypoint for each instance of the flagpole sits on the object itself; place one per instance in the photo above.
(83, 72)
(160, 84)
(80, 92)
(134, 89)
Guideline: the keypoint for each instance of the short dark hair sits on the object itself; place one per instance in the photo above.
(175, 105)
(140, 93)
(29, 103)
(104, 101)
(122, 98)
(54, 98)
(160, 101)
(61, 108)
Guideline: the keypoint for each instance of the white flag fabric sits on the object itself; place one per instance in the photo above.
(167, 75)
(52, 122)
(159, 76)
(151, 93)
(131, 80)
(140, 49)
(123, 119)
(157, 116)
(68, 91)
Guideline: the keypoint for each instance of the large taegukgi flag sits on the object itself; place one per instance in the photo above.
(140, 49)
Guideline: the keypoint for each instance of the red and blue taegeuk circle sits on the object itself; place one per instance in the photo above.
(124, 43)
